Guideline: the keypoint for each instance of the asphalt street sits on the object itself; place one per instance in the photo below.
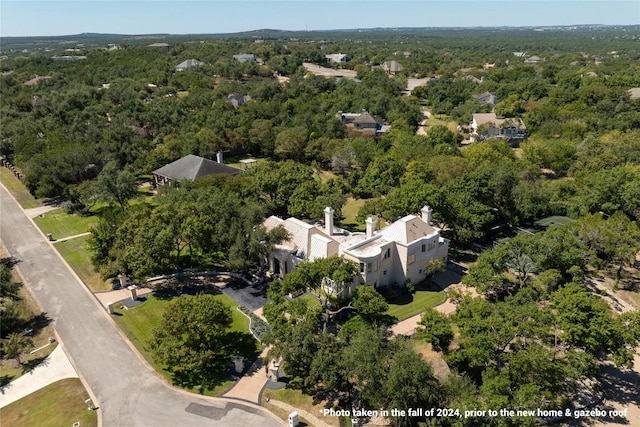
(128, 391)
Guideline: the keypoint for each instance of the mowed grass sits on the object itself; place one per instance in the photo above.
(408, 305)
(58, 404)
(349, 212)
(443, 120)
(76, 252)
(61, 224)
(139, 323)
(18, 190)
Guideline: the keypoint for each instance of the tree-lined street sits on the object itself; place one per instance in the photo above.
(128, 392)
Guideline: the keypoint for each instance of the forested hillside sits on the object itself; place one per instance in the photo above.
(91, 131)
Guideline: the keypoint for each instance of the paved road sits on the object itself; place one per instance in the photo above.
(128, 392)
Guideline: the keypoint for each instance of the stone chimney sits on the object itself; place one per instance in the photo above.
(426, 214)
(328, 220)
(219, 158)
(371, 226)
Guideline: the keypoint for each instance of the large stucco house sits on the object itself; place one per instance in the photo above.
(392, 255)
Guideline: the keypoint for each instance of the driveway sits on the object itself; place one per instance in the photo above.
(252, 297)
(126, 390)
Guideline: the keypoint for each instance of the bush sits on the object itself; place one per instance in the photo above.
(410, 286)
(259, 328)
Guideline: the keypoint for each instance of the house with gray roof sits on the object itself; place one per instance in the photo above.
(392, 67)
(362, 122)
(237, 100)
(191, 167)
(188, 64)
(246, 57)
(486, 98)
(338, 58)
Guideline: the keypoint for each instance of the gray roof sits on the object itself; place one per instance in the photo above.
(244, 57)
(191, 167)
(188, 64)
(392, 66)
(364, 118)
(486, 98)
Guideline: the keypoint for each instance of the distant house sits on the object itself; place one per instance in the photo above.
(191, 167)
(160, 45)
(533, 59)
(473, 79)
(519, 54)
(37, 79)
(188, 64)
(246, 57)
(488, 125)
(486, 98)
(238, 100)
(402, 53)
(404, 250)
(338, 58)
(69, 58)
(362, 122)
(392, 67)
(634, 93)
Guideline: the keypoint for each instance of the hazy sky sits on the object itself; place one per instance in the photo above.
(50, 17)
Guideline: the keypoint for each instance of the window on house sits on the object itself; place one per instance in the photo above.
(384, 273)
(432, 246)
(362, 267)
(411, 259)
(387, 253)
(369, 267)
(424, 247)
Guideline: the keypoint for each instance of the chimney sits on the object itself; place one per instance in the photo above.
(328, 220)
(371, 226)
(219, 156)
(426, 214)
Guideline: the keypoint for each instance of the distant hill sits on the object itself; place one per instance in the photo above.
(95, 40)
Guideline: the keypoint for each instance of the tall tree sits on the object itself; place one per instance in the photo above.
(115, 185)
(190, 340)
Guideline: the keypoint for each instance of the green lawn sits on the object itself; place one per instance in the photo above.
(349, 211)
(297, 399)
(58, 404)
(138, 324)
(61, 224)
(408, 305)
(19, 191)
(76, 252)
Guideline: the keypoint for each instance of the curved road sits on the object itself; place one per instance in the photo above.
(128, 391)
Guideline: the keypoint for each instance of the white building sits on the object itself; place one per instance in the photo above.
(399, 252)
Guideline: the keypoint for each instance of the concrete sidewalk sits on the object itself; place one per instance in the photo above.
(250, 385)
(54, 368)
(120, 295)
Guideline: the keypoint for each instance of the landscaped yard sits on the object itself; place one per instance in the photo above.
(408, 305)
(76, 252)
(18, 190)
(61, 224)
(138, 324)
(350, 211)
(58, 404)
